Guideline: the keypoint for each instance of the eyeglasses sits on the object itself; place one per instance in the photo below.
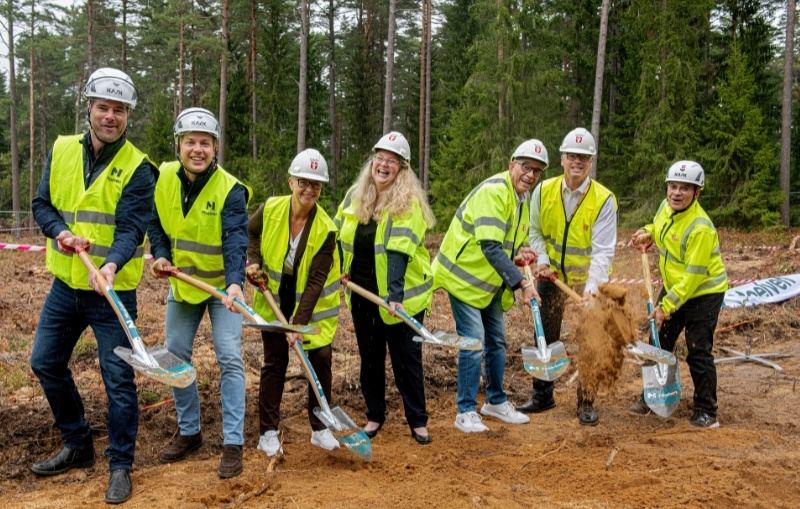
(315, 184)
(528, 167)
(583, 157)
(390, 161)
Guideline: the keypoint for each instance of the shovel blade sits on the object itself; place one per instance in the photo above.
(276, 326)
(446, 339)
(662, 388)
(553, 365)
(345, 431)
(651, 353)
(171, 370)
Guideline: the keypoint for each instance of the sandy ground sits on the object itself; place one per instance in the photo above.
(625, 461)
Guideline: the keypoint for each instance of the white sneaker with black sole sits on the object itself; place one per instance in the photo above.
(505, 412)
(270, 443)
(325, 439)
(470, 422)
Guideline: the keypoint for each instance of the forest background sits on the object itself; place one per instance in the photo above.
(466, 82)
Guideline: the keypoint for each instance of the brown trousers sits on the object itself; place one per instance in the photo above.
(273, 377)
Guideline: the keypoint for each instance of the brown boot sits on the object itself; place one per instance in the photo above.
(231, 463)
(180, 446)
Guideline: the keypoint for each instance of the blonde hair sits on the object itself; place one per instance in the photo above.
(396, 201)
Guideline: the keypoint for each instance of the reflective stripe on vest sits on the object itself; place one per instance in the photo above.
(569, 244)
(275, 245)
(196, 240)
(460, 267)
(403, 234)
(89, 213)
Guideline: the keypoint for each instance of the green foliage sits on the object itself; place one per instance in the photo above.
(738, 156)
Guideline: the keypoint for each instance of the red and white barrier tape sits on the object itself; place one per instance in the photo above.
(758, 248)
(624, 281)
(23, 247)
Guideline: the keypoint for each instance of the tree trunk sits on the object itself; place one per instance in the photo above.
(124, 59)
(598, 80)
(332, 164)
(301, 104)
(90, 37)
(223, 84)
(12, 96)
(78, 107)
(31, 116)
(181, 62)
(786, 110)
(663, 51)
(423, 51)
(252, 76)
(388, 92)
(427, 158)
(501, 85)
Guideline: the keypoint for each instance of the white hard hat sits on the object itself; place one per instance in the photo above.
(394, 142)
(579, 141)
(687, 171)
(196, 120)
(532, 149)
(111, 84)
(309, 164)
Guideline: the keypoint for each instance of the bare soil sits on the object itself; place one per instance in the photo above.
(626, 461)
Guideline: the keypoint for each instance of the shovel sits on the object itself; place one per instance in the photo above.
(256, 321)
(425, 336)
(158, 363)
(334, 418)
(639, 349)
(662, 383)
(545, 362)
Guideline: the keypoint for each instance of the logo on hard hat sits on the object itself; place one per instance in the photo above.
(392, 137)
(313, 164)
(114, 91)
(537, 149)
(198, 122)
(578, 139)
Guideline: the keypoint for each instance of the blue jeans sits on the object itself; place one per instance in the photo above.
(488, 326)
(65, 315)
(182, 322)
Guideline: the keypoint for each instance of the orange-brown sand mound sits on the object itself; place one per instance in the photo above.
(606, 328)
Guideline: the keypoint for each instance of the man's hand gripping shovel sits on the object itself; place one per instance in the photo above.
(334, 417)
(425, 336)
(157, 362)
(661, 382)
(543, 361)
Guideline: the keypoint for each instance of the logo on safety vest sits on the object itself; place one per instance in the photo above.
(586, 227)
(578, 139)
(211, 205)
(116, 172)
(114, 175)
(674, 238)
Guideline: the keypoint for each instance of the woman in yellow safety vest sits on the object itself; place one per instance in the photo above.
(695, 281)
(382, 223)
(293, 245)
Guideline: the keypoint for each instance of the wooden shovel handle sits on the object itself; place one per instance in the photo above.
(648, 281)
(560, 284)
(380, 302)
(211, 290)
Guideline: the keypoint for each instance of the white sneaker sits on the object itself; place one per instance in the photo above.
(505, 412)
(270, 443)
(470, 422)
(325, 439)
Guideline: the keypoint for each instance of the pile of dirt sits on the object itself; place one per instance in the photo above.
(603, 331)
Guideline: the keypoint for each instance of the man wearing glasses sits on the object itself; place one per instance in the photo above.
(476, 266)
(574, 230)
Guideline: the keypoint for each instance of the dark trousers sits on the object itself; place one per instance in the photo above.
(699, 317)
(273, 377)
(552, 310)
(65, 315)
(373, 336)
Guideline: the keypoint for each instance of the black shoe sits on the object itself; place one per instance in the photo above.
(586, 415)
(640, 407)
(231, 463)
(374, 433)
(423, 440)
(701, 419)
(119, 487)
(180, 447)
(65, 459)
(536, 406)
